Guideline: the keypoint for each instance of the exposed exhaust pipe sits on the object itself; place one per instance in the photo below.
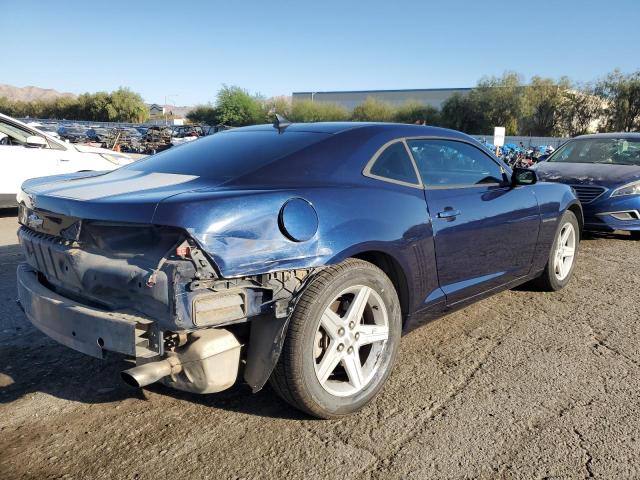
(147, 373)
(209, 363)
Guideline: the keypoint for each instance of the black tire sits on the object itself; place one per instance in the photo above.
(294, 378)
(635, 235)
(548, 281)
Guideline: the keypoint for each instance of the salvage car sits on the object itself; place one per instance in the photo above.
(73, 133)
(186, 133)
(29, 152)
(293, 253)
(604, 171)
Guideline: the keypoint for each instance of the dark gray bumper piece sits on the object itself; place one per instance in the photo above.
(85, 329)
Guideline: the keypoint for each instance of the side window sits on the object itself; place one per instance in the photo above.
(12, 134)
(395, 164)
(447, 163)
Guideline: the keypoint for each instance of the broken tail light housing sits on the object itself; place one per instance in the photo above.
(183, 250)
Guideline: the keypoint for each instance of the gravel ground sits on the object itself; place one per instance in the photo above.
(522, 385)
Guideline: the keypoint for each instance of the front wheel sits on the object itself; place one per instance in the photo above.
(635, 234)
(342, 341)
(562, 257)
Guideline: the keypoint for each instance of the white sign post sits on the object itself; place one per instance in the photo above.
(498, 138)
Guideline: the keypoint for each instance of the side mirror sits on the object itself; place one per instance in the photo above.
(36, 141)
(523, 176)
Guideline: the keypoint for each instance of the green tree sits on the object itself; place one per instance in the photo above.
(621, 95)
(460, 113)
(578, 110)
(122, 105)
(499, 102)
(412, 112)
(127, 106)
(7, 107)
(281, 105)
(373, 110)
(308, 111)
(540, 107)
(236, 108)
(204, 114)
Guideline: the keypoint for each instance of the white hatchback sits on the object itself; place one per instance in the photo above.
(26, 152)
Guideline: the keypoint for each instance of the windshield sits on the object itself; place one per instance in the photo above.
(614, 151)
(230, 154)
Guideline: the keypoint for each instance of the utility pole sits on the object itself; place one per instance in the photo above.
(167, 97)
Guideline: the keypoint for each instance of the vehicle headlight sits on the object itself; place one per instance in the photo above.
(116, 160)
(629, 189)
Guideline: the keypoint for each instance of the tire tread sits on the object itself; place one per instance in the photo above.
(287, 377)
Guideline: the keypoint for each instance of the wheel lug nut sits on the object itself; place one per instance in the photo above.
(350, 350)
(357, 336)
(341, 331)
(351, 325)
(340, 347)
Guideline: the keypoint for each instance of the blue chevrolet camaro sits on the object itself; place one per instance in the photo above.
(295, 253)
(604, 170)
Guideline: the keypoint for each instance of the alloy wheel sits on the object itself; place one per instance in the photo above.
(565, 251)
(351, 337)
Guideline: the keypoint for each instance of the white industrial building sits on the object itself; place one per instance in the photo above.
(434, 97)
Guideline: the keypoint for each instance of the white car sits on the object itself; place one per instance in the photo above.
(26, 152)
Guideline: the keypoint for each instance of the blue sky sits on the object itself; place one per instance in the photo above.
(188, 49)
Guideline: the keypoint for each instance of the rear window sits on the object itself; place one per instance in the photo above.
(229, 154)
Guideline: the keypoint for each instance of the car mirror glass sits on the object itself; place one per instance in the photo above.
(523, 176)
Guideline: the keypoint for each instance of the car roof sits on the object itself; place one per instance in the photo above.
(628, 135)
(401, 129)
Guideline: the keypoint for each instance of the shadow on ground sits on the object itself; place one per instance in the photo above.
(37, 364)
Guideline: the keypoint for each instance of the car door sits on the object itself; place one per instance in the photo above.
(485, 230)
(393, 164)
(21, 162)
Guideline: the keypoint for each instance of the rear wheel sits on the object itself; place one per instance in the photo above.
(342, 341)
(562, 256)
(635, 235)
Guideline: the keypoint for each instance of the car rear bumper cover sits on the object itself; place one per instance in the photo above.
(80, 327)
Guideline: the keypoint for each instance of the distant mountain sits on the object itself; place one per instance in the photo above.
(28, 94)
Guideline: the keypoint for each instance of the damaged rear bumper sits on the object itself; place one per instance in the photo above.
(80, 327)
(93, 296)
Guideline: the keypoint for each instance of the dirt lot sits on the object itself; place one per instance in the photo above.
(522, 385)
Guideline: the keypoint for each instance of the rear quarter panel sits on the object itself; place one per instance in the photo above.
(240, 230)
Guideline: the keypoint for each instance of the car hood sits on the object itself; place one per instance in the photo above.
(123, 195)
(606, 175)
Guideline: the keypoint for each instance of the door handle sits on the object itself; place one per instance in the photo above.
(449, 213)
(64, 159)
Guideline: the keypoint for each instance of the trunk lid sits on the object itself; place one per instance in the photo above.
(123, 195)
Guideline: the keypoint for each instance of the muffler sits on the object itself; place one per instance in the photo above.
(151, 372)
(208, 363)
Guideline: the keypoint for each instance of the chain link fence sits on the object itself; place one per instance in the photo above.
(555, 142)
